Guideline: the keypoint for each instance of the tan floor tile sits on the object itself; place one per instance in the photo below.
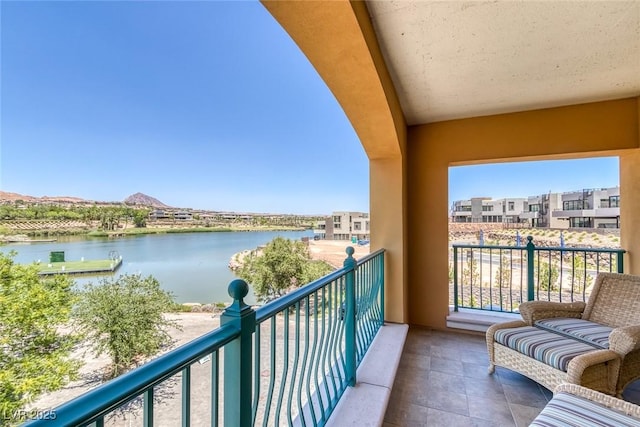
(492, 410)
(447, 366)
(443, 380)
(529, 395)
(523, 414)
(447, 401)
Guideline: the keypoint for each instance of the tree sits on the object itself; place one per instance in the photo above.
(503, 275)
(140, 218)
(314, 270)
(470, 272)
(580, 277)
(547, 275)
(35, 355)
(124, 318)
(282, 265)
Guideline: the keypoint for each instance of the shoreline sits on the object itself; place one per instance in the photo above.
(31, 237)
(333, 252)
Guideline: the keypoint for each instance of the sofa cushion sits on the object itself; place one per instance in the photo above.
(568, 410)
(550, 348)
(584, 330)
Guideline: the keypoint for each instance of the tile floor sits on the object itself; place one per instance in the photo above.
(442, 380)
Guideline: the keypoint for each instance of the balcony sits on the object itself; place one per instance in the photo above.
(442, 380)
(288, 362)
(412, 136)
(530, 215)
(253, 370)
(607, 212)
(574, 213)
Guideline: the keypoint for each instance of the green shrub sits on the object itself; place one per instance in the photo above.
(282, 265)
(35, 355)
(180, 308)
(124, 318)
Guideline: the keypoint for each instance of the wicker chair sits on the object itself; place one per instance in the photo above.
(606, 364)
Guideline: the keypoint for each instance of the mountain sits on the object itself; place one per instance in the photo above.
(138, 199)
(141, 199)
(6, 196)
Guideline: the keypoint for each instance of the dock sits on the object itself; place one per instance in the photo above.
(26, 240)
(96, 266)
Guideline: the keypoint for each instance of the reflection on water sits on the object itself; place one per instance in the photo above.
(194, 266)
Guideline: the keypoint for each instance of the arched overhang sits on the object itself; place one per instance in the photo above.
(339, 40)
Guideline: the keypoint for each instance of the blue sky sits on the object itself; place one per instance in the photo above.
(200, 104)
(206, 105)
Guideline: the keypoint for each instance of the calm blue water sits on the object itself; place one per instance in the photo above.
(194, 266)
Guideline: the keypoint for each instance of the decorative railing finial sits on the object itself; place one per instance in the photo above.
(238, 290)
(350, 262)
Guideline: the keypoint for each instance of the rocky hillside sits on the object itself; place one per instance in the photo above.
(6, 196)
(141, 199)
(138, 199)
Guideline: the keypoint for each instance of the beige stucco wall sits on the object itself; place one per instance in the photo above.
(604, 128)
(388, 230)
(630, 209)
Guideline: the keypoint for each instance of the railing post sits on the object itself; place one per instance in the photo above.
(620, 263)
(382, 282)
(530, 268)
(238, 358)
(455, 278)
(350, 317)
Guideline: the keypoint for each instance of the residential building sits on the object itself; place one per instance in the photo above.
(595, 208)
(347, 226)
(591, 208)
(539, 211)
(158, 214)
(183, 216)
(161, 214)
(320, 230)
(485, 209)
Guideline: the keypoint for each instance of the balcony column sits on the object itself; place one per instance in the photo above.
(388, 207)
(630, 209)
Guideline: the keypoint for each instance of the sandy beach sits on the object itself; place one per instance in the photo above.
(334, 251)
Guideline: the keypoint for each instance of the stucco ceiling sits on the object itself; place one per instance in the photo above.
(455, 59)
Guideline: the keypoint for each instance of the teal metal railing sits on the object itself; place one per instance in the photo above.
(499, 278)
(286, 363)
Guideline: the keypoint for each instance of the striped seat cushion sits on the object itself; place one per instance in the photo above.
(584, 330)
(567, 410)
(547, 347)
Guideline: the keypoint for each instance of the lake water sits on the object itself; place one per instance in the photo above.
(194, 266)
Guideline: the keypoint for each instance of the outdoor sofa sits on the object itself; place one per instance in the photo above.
(576, 406)
(596, 345)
